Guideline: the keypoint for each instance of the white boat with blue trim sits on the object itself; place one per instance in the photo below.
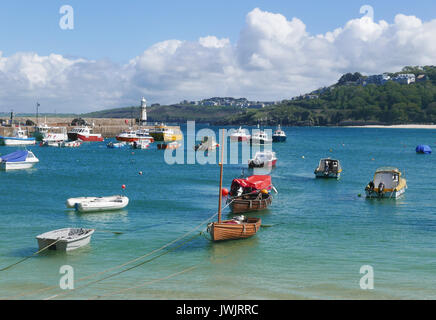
(22, 159)
(18, 138)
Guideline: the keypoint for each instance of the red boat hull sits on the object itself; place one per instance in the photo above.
(90, 138)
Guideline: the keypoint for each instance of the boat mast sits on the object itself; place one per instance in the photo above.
(221, 178)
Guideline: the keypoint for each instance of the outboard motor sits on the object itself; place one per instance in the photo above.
(239, 219)
(370, 186)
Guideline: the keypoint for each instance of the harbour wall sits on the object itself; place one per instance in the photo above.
(107, 127)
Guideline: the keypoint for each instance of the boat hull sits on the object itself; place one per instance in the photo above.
(64, 245)
(385, 195)
(102, 205)
(226, 230)
(279, 138)
(16, 165)
(331, 175)
(11, 141)
(245, 205)
(239, 138)
(88, 138)
(266, 164)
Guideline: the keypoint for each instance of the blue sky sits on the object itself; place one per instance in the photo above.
(118, 30)
(168, 51)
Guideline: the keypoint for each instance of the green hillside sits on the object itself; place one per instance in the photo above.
(346, 102)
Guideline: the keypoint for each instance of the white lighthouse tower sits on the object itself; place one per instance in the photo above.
(143, 120)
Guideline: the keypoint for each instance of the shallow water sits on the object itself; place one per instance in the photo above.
(319, 234)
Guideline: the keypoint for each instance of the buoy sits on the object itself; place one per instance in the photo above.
(359, 195)
(264, 191)
(123, 186)
(224, 192)
(302, 157)
(140, 172)
(133, 153)
(331, 150)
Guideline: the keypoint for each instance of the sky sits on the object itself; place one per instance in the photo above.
(168, 51)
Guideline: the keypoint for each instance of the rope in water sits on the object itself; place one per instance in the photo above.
(122, 265)
(28, 257)
(122, 271)
(144, 283)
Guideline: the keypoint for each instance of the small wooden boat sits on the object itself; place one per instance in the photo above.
(328, 168)
(66, 239)
(22, 159)
(263, 159)
(234, 228)
(387, 183)
(251, 202)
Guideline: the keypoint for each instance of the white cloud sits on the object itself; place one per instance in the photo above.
(274, 58)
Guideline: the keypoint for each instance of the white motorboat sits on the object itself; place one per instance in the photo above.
(18, 138)
(132, 135)
(70, 144)
(65, 239)
(263, 159)
(116, 145)
(239, 135)
(279, 135)
(84, 134)
(87, 204)
(41, 131)
(328, 168)
(55, 136)
(22, 159)
(387, 183)
(260, 138)
(206, 144)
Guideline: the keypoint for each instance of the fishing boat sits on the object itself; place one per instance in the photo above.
(206, 144)
(240, 135)
(260, 137)
(54, 137)
(161, 132)
(135, 135)
(279, 135)
(115, 145)
(171, 145)
(387, 183)
(232, 229)
(102, 204)
(141, 144)
(18, 138)
(22, 159)
(84, 134)
(328, 168)
(250, 194)
(263, 159)
(41, 131)
(66, 239)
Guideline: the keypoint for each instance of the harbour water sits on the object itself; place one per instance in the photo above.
(317, 234)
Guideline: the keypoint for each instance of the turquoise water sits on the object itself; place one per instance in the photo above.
(320, 232)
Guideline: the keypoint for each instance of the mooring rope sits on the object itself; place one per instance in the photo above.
(122, 271)
(144, 283)
(28, 257)
(126, 263)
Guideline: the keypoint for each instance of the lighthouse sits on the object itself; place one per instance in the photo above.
(143, 119)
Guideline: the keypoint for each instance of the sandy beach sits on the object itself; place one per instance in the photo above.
(399, 126)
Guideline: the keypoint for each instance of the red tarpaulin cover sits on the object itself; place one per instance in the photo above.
(258, 182)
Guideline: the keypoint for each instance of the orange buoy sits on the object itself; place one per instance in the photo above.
(225, 192)
(264, 191)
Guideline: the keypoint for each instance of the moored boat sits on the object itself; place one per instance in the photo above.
(162, 133)
(102, 204)
(239, 135)
(41, 131)
(70, 144)
(260, 138)
(54, 137)
(387, 183)
(171, 145)
(116, 145)
(279, 135)
(206, 144)
(84, 134)
(423, 148)
(263, 159)
(71, 202)
(141, 144)
(22, 159)
(328, 168)
(135, 135)
(232, 229)
(66, 239)
(18, 138)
